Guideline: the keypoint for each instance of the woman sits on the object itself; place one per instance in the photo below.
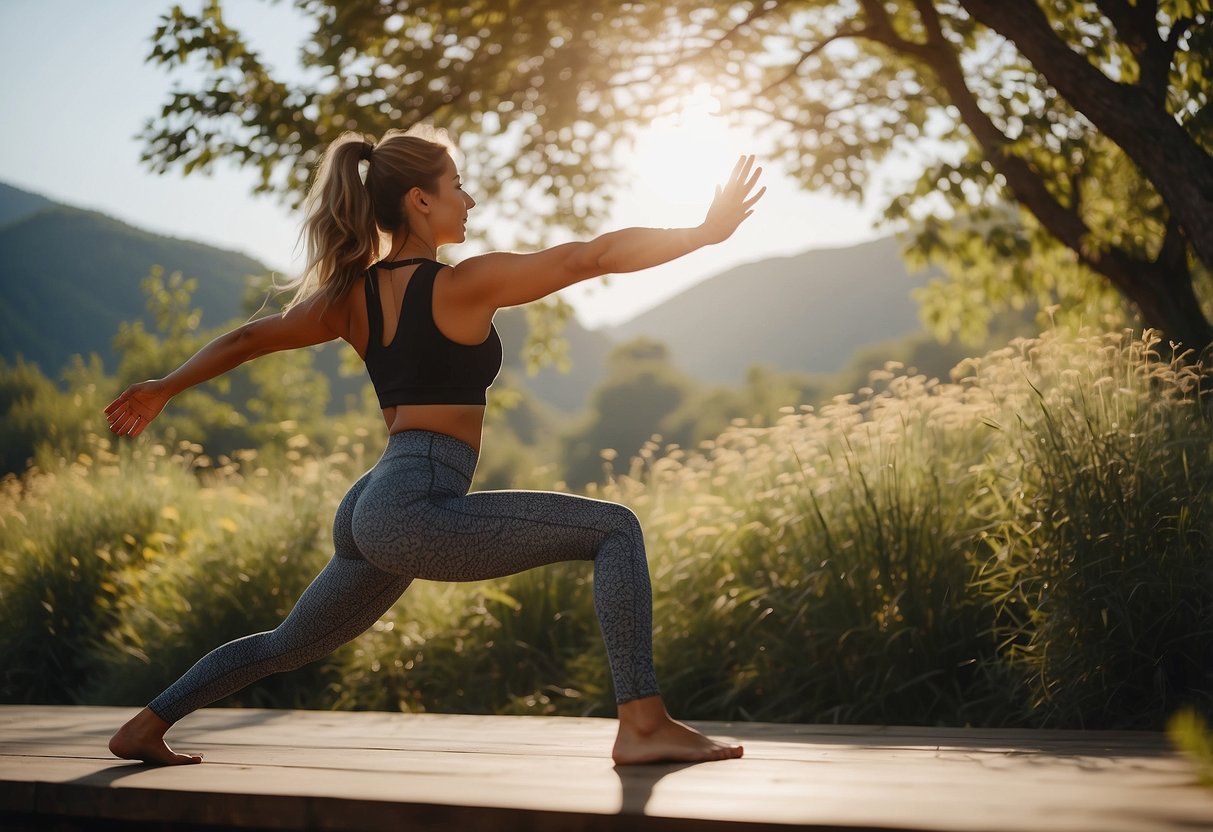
(425, 331)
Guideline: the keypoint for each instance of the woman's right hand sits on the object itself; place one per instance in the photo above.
(138, 405)
(733, 202)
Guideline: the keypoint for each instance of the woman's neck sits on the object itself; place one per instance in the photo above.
(407, 247)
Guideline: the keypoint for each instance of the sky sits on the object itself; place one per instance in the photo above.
(76, 93)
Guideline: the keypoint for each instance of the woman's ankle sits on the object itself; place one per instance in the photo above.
(644, 715)
(146, 722)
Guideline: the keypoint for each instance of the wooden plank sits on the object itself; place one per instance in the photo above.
(325, 770)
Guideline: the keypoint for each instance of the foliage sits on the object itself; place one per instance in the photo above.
(1073, 133)
(1026, 545)
(61, 556)
(124, 565)
(644, 396)
(524, 644)
(707, 412)
(36, 413)
(249, 407)
(1193, 736)
(640, 391)
(228, 562)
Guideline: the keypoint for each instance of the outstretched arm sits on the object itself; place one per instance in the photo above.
(140, 403)
(494, 281)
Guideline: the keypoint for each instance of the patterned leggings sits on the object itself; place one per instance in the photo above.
(411, 516)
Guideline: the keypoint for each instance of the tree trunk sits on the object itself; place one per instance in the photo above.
(1185, 317)
(1165, 297)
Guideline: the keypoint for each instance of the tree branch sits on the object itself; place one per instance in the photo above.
(1180, 170)
(932, 23)
(881, 30)
(690, 56)
(1129, 18)
(1132, 276)
(1173, 256)
(1178, 29)
(794, 70)
(1137, 27)
(1066, 224)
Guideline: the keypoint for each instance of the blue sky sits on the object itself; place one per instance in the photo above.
(77, 92)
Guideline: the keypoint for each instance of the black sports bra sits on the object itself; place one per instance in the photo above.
(421, 365)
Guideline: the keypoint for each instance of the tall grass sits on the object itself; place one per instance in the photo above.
(1026, 544)
(122, 568)
(1103, 561)
(832, 552)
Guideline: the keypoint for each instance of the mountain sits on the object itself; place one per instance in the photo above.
(587, 350)
(809, 312)
(68, 277)
(16, 204)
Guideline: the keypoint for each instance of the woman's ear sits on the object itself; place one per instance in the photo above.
(417, 199)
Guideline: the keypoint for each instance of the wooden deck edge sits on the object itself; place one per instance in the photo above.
(81, 807)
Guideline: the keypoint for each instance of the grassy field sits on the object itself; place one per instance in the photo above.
(1029, 543)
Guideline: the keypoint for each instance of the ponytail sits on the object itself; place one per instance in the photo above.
(347, 224)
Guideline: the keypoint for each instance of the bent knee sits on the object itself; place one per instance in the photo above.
(622, 520)
(290, 655)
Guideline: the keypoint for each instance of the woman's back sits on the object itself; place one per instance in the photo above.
(429, 366)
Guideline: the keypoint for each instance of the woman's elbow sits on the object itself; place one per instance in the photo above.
(249, 341)
(593, 259)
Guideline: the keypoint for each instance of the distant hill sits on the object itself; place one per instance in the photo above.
(588, 351)
(16, 204)
(809, 313)
(69, 276)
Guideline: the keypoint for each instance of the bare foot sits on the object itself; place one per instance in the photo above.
(647, 734)
(143, 739)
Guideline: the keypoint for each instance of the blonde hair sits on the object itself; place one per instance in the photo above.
(349, 223)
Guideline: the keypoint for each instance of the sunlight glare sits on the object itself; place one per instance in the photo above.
(669, 176)
(677, 162)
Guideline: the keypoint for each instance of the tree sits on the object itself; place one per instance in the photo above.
(642, 389)
(283, 388)
(1063, 145)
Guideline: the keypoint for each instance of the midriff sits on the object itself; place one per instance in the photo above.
(462, 421)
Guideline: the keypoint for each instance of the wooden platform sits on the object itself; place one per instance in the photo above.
(377, 771)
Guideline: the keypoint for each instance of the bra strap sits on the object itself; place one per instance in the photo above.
(395, 264)
(417, 306)
(374, 313)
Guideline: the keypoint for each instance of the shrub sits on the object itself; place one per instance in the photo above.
(1101, 565)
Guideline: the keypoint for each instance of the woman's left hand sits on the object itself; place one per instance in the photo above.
(138, 405)
(733, 202)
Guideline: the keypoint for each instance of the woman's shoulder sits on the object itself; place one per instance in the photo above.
(345, 313)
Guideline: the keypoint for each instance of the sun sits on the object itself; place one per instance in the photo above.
(676, 163)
